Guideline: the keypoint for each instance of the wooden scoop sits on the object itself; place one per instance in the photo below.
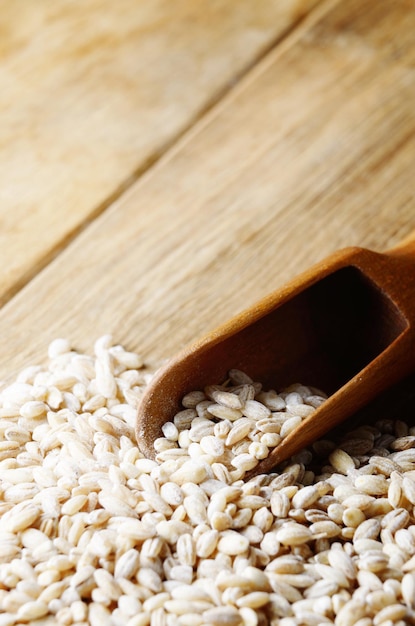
(346, 326)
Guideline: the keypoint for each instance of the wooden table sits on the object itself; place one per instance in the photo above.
(165, 164)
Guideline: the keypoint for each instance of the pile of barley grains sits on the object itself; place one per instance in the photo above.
(92, 533)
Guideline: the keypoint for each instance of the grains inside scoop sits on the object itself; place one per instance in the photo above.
(93, 533)
(235, 425)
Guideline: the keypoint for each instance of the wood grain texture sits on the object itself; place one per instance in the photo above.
(91, 93)
(312, 152)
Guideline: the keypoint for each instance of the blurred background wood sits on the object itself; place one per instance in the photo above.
(311, 151)
(91, 93)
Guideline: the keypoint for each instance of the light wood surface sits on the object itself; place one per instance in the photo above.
(313, 150)
(91, 93)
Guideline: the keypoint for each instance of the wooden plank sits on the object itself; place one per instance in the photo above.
(313, 152)
(92, 93)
